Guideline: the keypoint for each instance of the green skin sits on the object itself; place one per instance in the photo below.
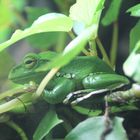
(84, 72)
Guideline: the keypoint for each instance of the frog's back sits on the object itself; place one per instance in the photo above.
(82, 66)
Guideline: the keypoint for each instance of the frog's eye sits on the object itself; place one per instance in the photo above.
(29, 62)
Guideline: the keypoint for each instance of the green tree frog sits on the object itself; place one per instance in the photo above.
(84, 72)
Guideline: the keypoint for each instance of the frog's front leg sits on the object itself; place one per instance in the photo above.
(62, 88)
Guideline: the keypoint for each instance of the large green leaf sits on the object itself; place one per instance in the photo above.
(77, 44)
(93, 128)
(41, 40)
(46, 23)
(134, 35)
(135, 10)
(86, 13)
(131, 66)
(118, 132)
(112, 12)
(49, 121)
(134, 57)
(72, 49)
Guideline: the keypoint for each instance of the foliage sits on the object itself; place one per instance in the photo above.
(51, 120)
(135, 10)
(45, 30)
(88, 129)
(112, 13)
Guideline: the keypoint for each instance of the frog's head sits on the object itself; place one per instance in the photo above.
(28, 69)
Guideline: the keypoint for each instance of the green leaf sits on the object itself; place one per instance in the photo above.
(43, 40)
(49, 121)
(133, 59)
(38, 40)
(94, 127)
(86, 13)
(112, 12)
(134, 11)
(72, 49)
(118, 132)
(46, 23)
(134, 35)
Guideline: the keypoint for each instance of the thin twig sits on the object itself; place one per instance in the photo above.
(104, 54)
(108, 124)
(44, 83)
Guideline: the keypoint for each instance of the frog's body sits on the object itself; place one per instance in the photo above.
(82, 67)
(81, 73)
